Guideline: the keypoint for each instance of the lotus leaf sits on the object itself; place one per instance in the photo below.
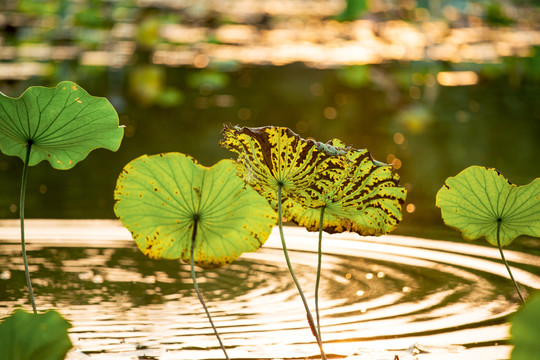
(366, 199)
(162, 199)
(62, 125)
(525, 331)
(480, 202)
(271, 156)
(25, 336)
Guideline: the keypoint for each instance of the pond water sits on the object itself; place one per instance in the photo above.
(380, 297)
(430, 87)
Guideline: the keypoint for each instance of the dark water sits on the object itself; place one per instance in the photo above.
(495, 123)
(380, 297)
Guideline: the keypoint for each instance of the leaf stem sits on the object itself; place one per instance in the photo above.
(21, 215)
(506, 264)
(289, 265)
(199, 295)
(319, 265)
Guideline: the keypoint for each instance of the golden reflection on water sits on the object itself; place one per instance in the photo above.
(380, 296)
(294, 31)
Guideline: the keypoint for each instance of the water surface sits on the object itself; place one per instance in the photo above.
(380, 297)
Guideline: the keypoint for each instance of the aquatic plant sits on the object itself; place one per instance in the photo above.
(176, 208)
(319, 186)
(365, 199)
(481, 202)
(61, 125)
(284, 168)
(19, 339)
(525, 330)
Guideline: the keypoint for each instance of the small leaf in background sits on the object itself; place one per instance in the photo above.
(366, 199)
(268, 156)
(353, 10)
(63, 124)
(478, 198)
(160, 198)
(525, 331)
(25, 336)
(356, 76)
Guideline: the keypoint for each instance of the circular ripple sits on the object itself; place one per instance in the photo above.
(402, 295)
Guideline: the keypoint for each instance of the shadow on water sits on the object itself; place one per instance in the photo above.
(380, 297)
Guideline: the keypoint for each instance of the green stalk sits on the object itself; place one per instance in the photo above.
(289, 265)
(317, 281)
(506, 264)
(21, 216)
(197, 287)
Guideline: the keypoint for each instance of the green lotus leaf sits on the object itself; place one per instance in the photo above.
(25, 336)
(366, 199)
(62, 124)
(270, 156)
(163, 198)
(478, 199)
(525, 331)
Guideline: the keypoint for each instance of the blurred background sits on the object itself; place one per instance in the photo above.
(429, 86)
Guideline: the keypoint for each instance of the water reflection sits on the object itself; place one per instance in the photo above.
(321, 34)
(430, 88)
(380, 297)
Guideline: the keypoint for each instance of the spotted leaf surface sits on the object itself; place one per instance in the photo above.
(268, 156)
(63, 124)
(161, 198)
(365, 199)
(476, 200)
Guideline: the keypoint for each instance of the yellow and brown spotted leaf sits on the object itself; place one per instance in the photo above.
(161, 198)
(269, 156)
(366, 199)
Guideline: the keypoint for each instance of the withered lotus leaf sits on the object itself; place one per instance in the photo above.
(365, 199)
(270, 156)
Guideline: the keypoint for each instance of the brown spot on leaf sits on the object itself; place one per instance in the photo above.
(197, 192)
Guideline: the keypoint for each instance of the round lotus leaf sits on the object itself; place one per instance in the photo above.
(525, 330)
(26, 336)
(365, 199)
(62, 124)
(270, 156)
(162, 198)
(479, 199)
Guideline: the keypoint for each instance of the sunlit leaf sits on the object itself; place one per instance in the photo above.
(161, 198)
(477, 199)
(366, 199)
(25, 336)
(525, 331)
(269, 156)
(63, 124)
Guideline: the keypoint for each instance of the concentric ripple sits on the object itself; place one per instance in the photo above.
(380, 297)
